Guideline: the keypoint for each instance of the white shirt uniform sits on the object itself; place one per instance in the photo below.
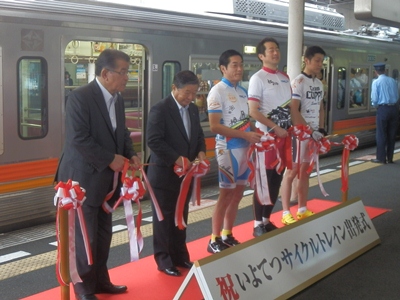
(270, 88)
(310, 92)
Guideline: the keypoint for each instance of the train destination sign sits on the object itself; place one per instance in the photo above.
(281, 263)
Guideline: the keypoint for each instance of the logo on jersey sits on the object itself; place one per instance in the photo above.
(314, 94)
(214, 105)
(232, 98)
(272, 82)
(234, 121)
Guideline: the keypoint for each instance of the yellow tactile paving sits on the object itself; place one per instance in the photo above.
(119, 238)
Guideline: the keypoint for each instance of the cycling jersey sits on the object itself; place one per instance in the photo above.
(231, 102)
(310, 92)
(271, 89)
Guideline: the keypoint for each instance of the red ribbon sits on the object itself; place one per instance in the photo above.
(350, 142)
(70, 196)
(258, 176)
(152, 195)
(315, 148)
(196, 171)
(301, 132)
(132, 190)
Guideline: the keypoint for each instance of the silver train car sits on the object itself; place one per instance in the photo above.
(48, 48)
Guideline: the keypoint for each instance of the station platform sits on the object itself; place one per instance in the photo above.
(373, 275)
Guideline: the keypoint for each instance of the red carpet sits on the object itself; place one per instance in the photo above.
(145, 282)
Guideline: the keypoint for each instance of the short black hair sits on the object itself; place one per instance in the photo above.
(108, 60)
(184, 78)
(225, 57)
(261, 47)
(311, 51)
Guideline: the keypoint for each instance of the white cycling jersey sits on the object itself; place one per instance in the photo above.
(310, 91)
(271, 89)
(231, 102)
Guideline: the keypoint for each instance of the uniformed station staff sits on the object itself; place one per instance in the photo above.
(384, 96)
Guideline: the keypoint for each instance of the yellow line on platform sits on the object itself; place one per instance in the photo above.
(47, 259)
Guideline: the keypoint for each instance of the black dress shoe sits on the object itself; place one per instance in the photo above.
(390, 162)
(185, 264)
(111, 289)
(377, 161)
(172, 271)
(85, 297)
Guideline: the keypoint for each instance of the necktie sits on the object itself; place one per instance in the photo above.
(186, 120)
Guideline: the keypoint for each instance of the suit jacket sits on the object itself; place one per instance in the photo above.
(90, 142)
(167, 140)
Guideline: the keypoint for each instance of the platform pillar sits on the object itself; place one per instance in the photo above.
(64, 254)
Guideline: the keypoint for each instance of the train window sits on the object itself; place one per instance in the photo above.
(170, 68)
(32, 98)
(359, 88)
(341, 87)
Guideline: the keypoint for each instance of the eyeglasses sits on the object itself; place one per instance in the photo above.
(122, 73)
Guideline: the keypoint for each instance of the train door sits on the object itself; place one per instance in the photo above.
(79, 69)
(325, 78)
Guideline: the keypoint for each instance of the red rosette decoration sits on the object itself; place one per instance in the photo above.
(182, 170)
(324, 146)
(350, 142)
(198, 169)
(70, 196)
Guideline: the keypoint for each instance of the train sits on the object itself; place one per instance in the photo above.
(49, 48)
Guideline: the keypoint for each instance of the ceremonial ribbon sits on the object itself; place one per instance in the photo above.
(70, 196)
(196, 171)
(132, 190)
(301, 132)
(258, 175)
(315, 148)
(350, 142)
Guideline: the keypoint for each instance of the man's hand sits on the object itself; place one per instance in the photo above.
(280, 132)
(316, 135)
(253, 137)
(135, 162)
(180, 162)
(201, 156)
(117, 165)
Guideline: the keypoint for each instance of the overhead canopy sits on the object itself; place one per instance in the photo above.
(377, 11)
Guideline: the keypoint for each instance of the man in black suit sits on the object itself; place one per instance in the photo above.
(97, 144)
(170, 144)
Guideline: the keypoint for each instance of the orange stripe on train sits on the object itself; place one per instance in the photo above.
(28, 170)
(354, 125)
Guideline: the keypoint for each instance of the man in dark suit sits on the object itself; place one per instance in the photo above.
(97, 144)
(170, 144)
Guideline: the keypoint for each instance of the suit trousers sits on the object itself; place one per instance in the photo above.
(169, 241)
(386, 128)
(99, 227)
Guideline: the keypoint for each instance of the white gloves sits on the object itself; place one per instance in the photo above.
(316, 135)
